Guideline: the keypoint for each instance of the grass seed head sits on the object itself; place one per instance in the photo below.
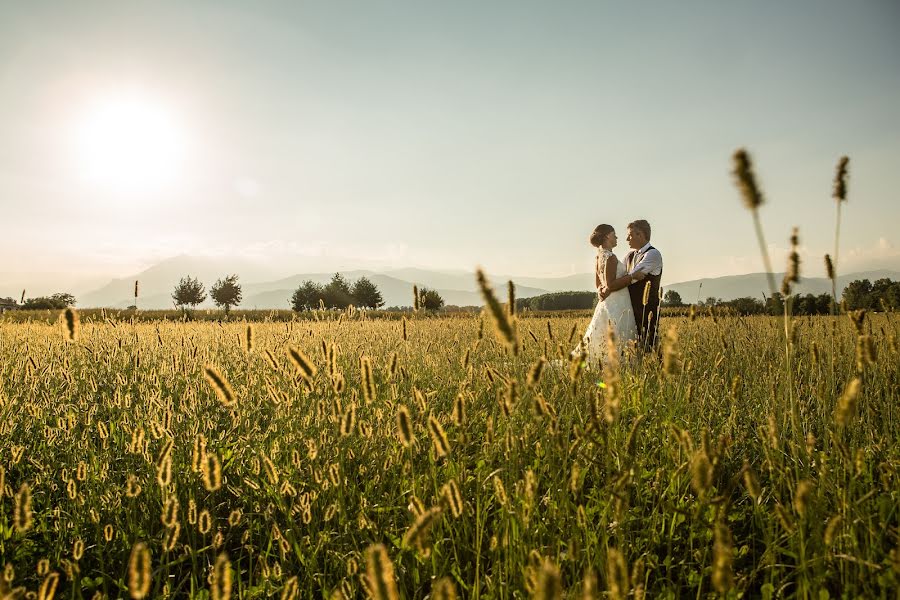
(291, 589)
(368, 379)
(443, 589)
(459, 409)
(380, 573)
(723, 556)
(220, 385)
(803, 496)
(745, 180)
(535, 372)
(404, 427)
(617, 574)
(48, 587)
(221, 580)
(438, 437)
(454, 498)
(549, 585)
(839, 191)
(211, 469)
(846, 407)
(139, 571)
(503, 325)
(417, 535)
(72, 323)
(304, 364)
(348, 421)
(22, 514)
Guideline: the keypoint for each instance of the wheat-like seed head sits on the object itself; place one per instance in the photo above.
(220, 385)
(443, 589)
(139, 571)
(348, 421)
(839, 192)
(616, 574)
(459, 409)
(404, 427)
(204, 521)
(48, 586)
(846, 406)
(438, 437)
(22, 514)
(211, 469)
(72, 323)
(368, 379)
(723, 552)
(503, 326)
(745, 180)
(534, 373)
(221, 579)
(803, 497)
(417, 535)
(305, 366)
(380, 573)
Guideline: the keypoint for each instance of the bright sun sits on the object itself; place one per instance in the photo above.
(129, 142)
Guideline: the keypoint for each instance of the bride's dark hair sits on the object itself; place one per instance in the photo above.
(600, 232)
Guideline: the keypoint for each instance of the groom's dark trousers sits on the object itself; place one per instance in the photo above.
(646, 316)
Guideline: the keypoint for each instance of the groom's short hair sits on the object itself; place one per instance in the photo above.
(642, 226)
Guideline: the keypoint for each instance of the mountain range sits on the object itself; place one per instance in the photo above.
(262, 289)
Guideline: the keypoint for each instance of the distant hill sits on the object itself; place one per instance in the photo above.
(263, 287)
(157, 283)
(756, 284)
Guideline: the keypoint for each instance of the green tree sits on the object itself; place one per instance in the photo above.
(892, 297)
(858, 294)
(188, 292)
(775, 304)
(366, 294)
(54, 302)
(226, 293)
(337, 293)
(306, 296)
(431, 300)
(746, 306)
(563, 301)
(672, 298)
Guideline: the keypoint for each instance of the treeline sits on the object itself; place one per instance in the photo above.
(884, 295)
(55, 302)
(801, 305)
(337, 293)
(558, 301)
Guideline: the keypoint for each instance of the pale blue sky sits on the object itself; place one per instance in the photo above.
(451, 134)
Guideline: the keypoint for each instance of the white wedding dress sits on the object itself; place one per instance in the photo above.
(613, 313)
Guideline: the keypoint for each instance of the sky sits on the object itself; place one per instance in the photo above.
(374, 134)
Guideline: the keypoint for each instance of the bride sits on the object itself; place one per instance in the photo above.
(615, 312)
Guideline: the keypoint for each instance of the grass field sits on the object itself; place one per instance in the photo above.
(420, 457)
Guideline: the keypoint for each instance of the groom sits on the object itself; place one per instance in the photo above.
(644, 265)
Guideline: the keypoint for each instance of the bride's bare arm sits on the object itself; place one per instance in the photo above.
(597, 273)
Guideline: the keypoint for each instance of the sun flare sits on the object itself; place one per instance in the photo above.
(129, 141)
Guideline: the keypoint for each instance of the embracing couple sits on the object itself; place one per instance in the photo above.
(628, 292)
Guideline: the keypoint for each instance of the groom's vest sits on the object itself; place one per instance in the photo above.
(644, 313)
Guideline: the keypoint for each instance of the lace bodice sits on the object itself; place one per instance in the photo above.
(602, 256)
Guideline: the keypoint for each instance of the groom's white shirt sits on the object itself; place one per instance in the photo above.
(647, 260)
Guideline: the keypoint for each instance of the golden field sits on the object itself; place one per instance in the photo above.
(350, 456)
